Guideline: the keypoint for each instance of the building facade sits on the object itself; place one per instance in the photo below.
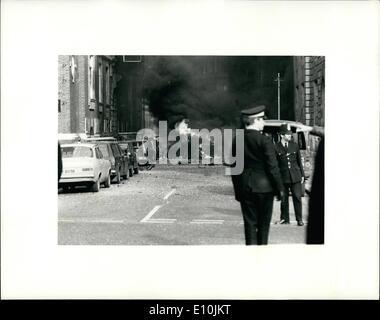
(87, 102)
(309, 79)
(133, 108)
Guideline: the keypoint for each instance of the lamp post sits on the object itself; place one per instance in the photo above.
(278, 80)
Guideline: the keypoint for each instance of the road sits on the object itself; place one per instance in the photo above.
(168, 205)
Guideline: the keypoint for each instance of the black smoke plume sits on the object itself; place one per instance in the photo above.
(210, 91)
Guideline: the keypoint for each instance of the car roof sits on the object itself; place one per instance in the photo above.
(277, 123)
(111, 139)
(89, 145)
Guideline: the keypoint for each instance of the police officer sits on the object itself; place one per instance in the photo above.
(260, 179)
(289, 160)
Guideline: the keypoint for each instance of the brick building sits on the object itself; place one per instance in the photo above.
(309, 80)
(86, 95)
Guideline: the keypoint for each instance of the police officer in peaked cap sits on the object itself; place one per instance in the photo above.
(292, 173)
(260, 179)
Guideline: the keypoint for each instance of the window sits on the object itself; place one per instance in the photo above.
(301, 141)
(73, 68)
(115, 150)
(132, 59)
(96, 125)
(100, 75)
(59, 105)
(91, 77)
(108, 79)
(104, 150)
(98, 153)
(77, 152)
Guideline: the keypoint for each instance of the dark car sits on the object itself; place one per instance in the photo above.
(112, 151)
(131, 152)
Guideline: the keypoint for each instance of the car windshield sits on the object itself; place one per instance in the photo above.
(103, 148)
(77, 152)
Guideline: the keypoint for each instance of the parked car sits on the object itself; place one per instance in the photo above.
(112, 151)
(131, 152)
(300, 136)
(84, 164)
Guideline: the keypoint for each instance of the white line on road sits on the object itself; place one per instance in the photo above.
(169, 194)
(156, 208)
(200, 221)
(89, 221)
(151, 213)
(161, 220)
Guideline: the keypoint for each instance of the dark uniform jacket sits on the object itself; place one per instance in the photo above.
(290, 162)
(261, 173)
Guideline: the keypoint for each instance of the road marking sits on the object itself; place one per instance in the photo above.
(89, 221)
(202, 221)
(161, 220)
(155, 209)
(151, 213)
(169, 194)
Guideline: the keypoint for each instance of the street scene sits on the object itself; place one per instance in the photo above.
(168, 205)
(177, 154)
(157, 150)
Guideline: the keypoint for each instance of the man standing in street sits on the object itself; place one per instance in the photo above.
(289, 160)
(256, 186)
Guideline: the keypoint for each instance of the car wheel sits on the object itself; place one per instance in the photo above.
(136, 170)
(107, 183)
(96, 186)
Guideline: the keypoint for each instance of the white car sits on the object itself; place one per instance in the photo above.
(83, 164)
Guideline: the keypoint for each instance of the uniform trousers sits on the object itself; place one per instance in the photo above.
(257, 214)
(296, 189)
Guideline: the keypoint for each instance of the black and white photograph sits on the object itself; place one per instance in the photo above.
(207, 150)
(146, 143)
